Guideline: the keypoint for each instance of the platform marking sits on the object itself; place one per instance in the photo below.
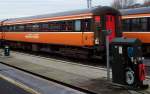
(22, 86)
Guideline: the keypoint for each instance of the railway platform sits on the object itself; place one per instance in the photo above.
(21, 81)
(82, 77)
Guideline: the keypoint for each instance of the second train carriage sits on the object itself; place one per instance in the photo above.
(74, 31)
(136, 24)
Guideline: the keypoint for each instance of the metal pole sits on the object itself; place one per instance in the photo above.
(107, 56)
(89, 3)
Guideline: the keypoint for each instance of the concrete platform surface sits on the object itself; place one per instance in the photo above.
(30, 83)
(85, 77)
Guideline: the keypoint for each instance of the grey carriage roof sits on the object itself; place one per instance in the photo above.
(135, 11)
(96, 10)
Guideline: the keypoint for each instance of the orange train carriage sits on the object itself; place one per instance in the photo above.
(136, 24)
(78, 31)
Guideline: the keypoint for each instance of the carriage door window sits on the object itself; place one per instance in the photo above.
(97, 23)
(110, 25)
(98, 29)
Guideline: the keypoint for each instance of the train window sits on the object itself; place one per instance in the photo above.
(66, 26)
(70, 25)
(11, 28)
(54, 26)
(148, 24)
(29, 27)
(136, 25)
(86, 25)
(5, 28)
(63, 26)
(139, 24)
(144, 24)
(8, 29)
(44, 27)
(77, 25)
(18, 28)
(126, 25)
(35, 27)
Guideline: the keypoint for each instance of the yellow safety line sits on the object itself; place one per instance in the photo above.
(24, 87)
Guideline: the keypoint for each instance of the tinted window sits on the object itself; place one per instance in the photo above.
(148, 24)
(35, 27)
(144, 24)
(83, 25)
(11, 28)
(139, 24)
(44, 27)
(136, 24)
(54, 26)
(86, 25)
(0, 28)
(17, 28)
(69, 25)
(126, 25)
(29, 27)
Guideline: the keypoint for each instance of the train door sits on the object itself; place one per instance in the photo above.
(98, 27)
(110, 25)
(104, 23)
(0, 32)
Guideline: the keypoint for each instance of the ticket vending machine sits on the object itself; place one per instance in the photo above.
(127, 62)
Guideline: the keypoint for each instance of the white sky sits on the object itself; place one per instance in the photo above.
(21, 8)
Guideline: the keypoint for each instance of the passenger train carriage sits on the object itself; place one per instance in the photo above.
(78, 31)
(136, 24)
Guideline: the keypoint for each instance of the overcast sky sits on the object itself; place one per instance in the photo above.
(21, 8)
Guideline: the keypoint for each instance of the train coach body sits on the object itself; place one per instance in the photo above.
(136, 24)
(61, 38)
(80, 28)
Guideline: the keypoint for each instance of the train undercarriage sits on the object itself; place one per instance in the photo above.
(69, 51)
